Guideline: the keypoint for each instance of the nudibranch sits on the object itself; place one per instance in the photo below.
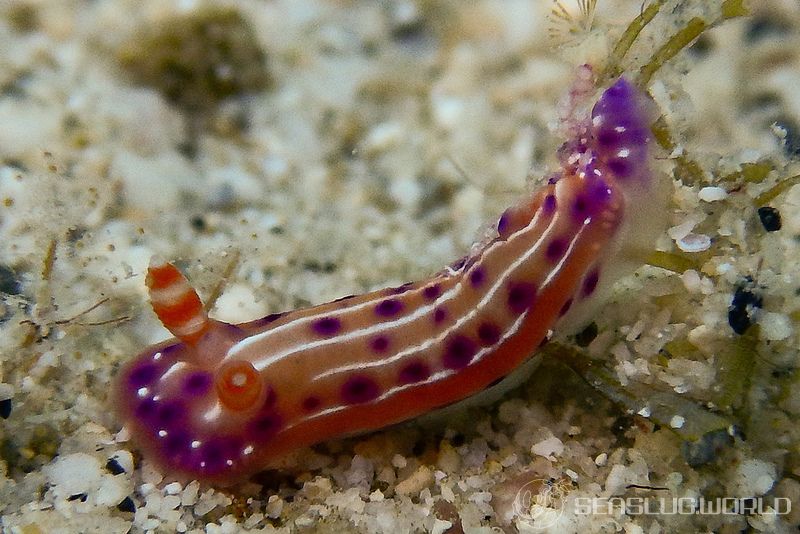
(220, 402)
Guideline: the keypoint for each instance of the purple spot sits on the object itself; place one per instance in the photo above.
(580, 207)
(521, 296)
(556, 249)
(502, 223)
(379, 343)
(146, 409)
(211, 456)
(432, 292)
(359, 388)
(143, 375)
(620, 167)
(170, 412)
(214, 453)
(477, 276)
(549, 204)
(388, 308)
(565, 308)
(595, 195)
(265, 426)
(197, 383)
(598, 190)
(607, 137)
(326, 326)
(459, 352)
(176, 443)
(590, 283)
(489, 333)
(311, 404)
(415, 371)
(439, 314)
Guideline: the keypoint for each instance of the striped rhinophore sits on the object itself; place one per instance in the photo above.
(175, 302)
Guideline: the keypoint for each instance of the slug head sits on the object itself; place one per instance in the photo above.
(193, 411)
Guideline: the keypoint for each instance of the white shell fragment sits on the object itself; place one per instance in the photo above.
(712, 194)
(694, 243)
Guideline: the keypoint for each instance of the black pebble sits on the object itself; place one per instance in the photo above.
(707, 448)
(620, 426)
(585, 337)
(9, 283)
(113, 467)
(5, 408)
(770, 218)
(126, 505)
(744, 300)
(199, 223)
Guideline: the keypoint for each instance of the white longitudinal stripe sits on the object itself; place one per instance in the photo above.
(488, 295)
(445, 373)
(435, 377)
(268, 360)
(444, 298)
(440, 337)
(264, 337)
(176, 367)
(499, 281)
(478, 308)
(171, 294)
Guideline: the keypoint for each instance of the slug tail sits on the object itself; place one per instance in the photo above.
(619, 147)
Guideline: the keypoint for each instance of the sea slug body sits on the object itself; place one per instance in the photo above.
(220, 402)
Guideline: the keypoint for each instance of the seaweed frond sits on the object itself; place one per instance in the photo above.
(688, 170)
(693, 29)
(680, 40)
(627, 39)
(784, 185)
